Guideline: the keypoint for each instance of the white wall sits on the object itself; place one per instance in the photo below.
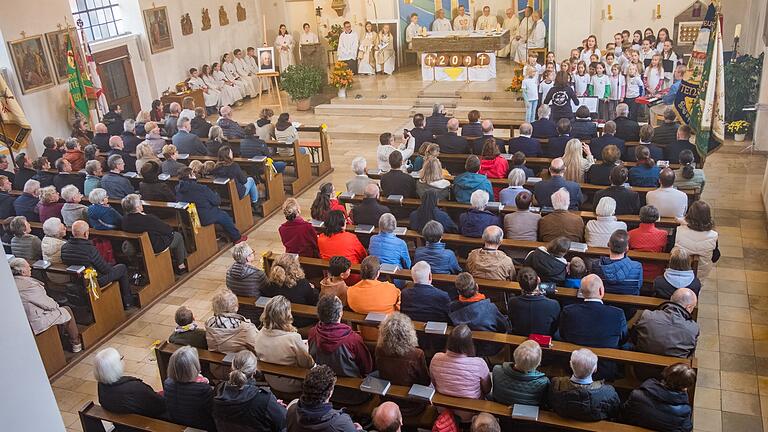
(28, 401)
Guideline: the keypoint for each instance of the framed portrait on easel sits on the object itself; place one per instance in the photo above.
(266, 58)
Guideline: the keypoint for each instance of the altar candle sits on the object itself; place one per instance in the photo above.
(737, 33)
(658, 9)
(610, 8)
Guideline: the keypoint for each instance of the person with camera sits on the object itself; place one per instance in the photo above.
(387, 146)
(532, 311)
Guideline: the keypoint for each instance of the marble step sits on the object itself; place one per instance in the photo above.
(363, 110)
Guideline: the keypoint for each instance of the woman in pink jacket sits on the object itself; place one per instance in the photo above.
(457, 372)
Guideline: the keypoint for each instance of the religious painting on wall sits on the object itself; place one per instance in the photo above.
(186, 25)
(57, 46)
(223, 19)
(32, 64)
(266, 58)
(158, 29)
(240, 12)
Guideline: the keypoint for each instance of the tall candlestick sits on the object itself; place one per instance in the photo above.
(264, 25)
(737, 33)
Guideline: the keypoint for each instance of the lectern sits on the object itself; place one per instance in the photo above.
(314, 54)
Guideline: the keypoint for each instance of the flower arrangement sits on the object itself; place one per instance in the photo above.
(516, 84)
(341, 75)
(333, 37)
(738, 127)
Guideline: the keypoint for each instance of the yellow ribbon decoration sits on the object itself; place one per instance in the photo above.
(92, 281)
(192, 210)
(271, 164)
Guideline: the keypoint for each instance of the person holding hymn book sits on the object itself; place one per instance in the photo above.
(549, 261)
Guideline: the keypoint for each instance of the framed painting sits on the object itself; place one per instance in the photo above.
(57, 46)
(266, 58)
(33, 67)
(158, 29)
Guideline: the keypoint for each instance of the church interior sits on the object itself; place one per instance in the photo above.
(174, 171)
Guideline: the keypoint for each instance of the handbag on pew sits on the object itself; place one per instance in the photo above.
(104, 247)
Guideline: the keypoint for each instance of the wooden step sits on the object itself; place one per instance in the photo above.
(362, 110)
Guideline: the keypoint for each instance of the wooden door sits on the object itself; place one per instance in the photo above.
(114, 66)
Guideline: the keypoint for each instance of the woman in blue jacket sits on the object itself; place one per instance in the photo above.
(645, 173)
(101, 215)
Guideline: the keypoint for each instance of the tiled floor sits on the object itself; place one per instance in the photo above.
(732, 389)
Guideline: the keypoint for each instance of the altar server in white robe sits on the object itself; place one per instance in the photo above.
(486, 21)
(230, 72)
(511, 23)
(441, 23)
(536, 39)
(462, 22)
(252, 66)
(366, 59)
(229, 93)
(348, 43)
(385, 52)
(244, 70)
(210, 95)
(412, 30)
(284, 43)
(308, 36)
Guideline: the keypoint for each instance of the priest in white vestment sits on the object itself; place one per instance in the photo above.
(486, 21)
(536, 39)
(441, 23)
(348, 43)
(511, 23)
(462, 22)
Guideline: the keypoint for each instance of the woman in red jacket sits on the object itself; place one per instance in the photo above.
(493, 165)
(336, 241)
(325, 201)
(297, 234)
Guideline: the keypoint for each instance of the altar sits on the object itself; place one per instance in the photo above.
(459, 55)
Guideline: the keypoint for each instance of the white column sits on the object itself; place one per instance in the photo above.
(28, 401)
(761, 122)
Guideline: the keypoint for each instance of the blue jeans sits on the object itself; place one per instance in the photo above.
(226, 222)
(530, 110)
(279, 166)
(251, 189)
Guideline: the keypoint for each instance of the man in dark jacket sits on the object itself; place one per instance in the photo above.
(620, 274)
(524, 143)
(199, 125)
(555, 148)
(80, 251)
(672, 150)
(544, 127)
(419, 133)
(161, 235)
(24, 171)
(113, 119)
(477, 312)
(229, 127)
(532, 311)
(627, 200)
(669, 330)
(423, 302)
(663, 404)
(207, 202)
(113, 182)
(369, 210)
(171, 125)
(450, 142)
(313, 411)
(596, 145)
(66, 176)
(397, 182)
(626, 128)
(486, 127)
(338, 346)
(437, 122)
(101, 137)
(117, 147)
(472, 128)
(27, 204)
(583, 126)
(666, 133)
(186, 142)
(579, 396)
(543, 190)
(6, 199)
(130, 140)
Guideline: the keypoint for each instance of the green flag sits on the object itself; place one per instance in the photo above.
(76, 86)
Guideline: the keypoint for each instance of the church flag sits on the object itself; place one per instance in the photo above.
(14, 127)
(700, 100)
(77, 92)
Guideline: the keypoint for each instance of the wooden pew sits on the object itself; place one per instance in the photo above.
(457, 207)
(301, 164)
(323, 165)
(51, 351)
(317, 266)
(546, 418)
(543, 162)
(92, 415)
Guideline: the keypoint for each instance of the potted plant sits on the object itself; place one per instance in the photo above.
(739, 129)
(333, 37)
(302, 82)
(341, 77)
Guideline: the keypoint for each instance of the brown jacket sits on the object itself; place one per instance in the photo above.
(490, 264)
(337, 288)
(404, 370)
(561, 223)
(229, 340)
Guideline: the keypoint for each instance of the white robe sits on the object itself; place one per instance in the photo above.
(210, 95)
(253, 68)
(510, 24)
(230, 72)
(387, 53)
(348, 43)
(284, 46)
(463, 23)
(441, 24)
(242, 68)
(487, 23)
(228, 94)
(366, 63)
(536, 39)
(411, 32)
(308, 38)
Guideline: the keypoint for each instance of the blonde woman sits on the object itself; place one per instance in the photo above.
(144, 154)
(575, 164)
(278, 342)
(286, 278)
(385, 51)
(431, 178)
(366, 60)
(142, 118)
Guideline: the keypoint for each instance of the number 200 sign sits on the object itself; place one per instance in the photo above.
(457, 60)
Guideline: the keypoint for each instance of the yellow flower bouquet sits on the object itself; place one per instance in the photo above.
(738, 127)
(341, 75)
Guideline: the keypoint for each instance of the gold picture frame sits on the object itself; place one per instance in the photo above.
(57, 46)
(32, 63)
(158, 29)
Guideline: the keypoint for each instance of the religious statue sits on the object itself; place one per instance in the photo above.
(186, 25)
(223, 20)
(240, 12)
(206, 20)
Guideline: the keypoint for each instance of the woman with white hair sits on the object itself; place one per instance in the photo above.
(93, 173)
(72, 210)
(227, 331)
(54, 231)
(598, 231)
(49, 205)
(42, 311)
(241, 404)
(144, 154)
(123, 394)
(243, 278)
(575, 164)
(101, 215)
(216, 140)
(473, 222)
(278, 342)
(188, 395)
(516, 179)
